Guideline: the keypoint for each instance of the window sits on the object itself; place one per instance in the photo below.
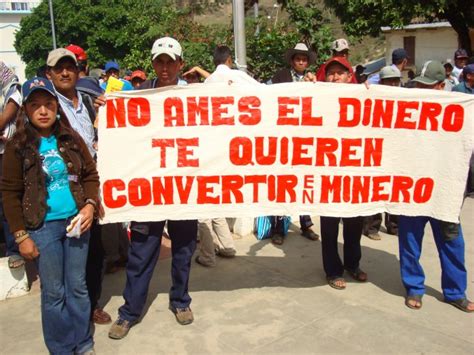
(409, 46)
(19, 6)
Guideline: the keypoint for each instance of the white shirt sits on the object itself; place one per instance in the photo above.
(224, 74)
(456, 72)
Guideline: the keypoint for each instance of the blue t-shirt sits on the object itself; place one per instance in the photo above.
(59, 198)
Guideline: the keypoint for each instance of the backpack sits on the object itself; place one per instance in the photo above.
(89, 104)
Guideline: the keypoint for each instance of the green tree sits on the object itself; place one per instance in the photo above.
(305, 24)
(361, 17)
(124, 30)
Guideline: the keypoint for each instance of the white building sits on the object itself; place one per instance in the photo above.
(11, 13)
(423, 41)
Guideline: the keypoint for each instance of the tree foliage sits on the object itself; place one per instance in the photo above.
(124, 30)
(361, 17)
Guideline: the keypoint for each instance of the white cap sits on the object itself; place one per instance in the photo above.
(389, 72)
(166, 45)
(339, 45)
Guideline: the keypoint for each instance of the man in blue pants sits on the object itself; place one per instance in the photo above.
(146, 236)
(448, 236)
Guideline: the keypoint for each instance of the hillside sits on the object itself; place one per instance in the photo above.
(363, 49)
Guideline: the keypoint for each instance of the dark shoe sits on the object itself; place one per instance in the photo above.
(309, 234)
(373, 236)
(119, 329)
(417, 301)
(111, 268)
(122, 262)
(462, 304)
(226, 253)
(357, 274)
(99, 316)
(278, 239)
(392, 231)
(184, 316)
(202, 263)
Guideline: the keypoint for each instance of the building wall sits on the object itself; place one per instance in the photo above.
(10, 23)
(435, 44)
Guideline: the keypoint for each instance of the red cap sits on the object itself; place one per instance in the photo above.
(78, 52)
(341, 60)
(138, 74)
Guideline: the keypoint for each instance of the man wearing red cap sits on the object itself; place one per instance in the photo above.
(81, 57)
(339, 70)
(137, 78)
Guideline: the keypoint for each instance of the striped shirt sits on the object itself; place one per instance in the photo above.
(79, 119)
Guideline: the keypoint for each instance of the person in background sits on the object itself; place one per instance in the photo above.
(137, 78)
(224, 73)
(340, 48)
(11, 102)
(195, 74)
(448, 236)
(81, 57)
(299, 59)
(112, 69)
(460, 61)
(360, 75)
(399, 62)
(215, 235)
(41, 201)
(466, 86)
(389, 76)
(339, 70)
(450, 81)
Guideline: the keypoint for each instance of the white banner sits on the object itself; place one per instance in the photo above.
(215, 150)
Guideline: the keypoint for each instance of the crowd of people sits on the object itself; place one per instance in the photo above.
(49, 178)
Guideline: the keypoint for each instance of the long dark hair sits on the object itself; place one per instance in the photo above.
(26, 133)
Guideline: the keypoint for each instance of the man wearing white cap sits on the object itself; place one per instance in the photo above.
(146, 237)
(167, 61)
(340, 48)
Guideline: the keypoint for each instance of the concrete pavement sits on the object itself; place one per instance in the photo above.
(275, 300)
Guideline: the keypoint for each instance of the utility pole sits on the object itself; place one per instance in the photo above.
(51, 14)
(239, 34)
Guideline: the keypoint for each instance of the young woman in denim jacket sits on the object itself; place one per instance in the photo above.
(49, 178)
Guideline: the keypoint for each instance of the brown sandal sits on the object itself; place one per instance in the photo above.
(462, 304)
(416, 298)
(332, 281)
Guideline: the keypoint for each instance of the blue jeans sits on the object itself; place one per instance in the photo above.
(65, 305)
(451, 255)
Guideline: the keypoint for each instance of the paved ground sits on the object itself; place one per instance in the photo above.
(275, 300)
